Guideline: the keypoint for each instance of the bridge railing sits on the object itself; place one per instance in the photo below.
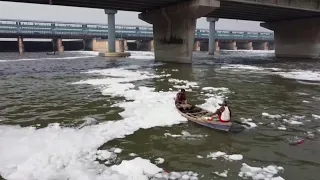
(122, 31)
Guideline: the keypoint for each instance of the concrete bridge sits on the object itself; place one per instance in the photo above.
(296, 23)
(142, 36)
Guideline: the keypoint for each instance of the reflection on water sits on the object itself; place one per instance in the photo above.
(37, 91)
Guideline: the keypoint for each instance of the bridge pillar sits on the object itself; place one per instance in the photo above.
(60, 47)
(228, 45)
(212, 34)
(196, 46)
(20, 45)
(296, 38)
(152, 45)
(244, 45)
(111, 29)
(174, 28)
(125, 44)
(260, 45)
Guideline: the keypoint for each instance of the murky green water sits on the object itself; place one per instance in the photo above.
(40, 92)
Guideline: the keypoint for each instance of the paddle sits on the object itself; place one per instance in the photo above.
(242, 123)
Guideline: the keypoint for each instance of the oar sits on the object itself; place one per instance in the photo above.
(242, 123)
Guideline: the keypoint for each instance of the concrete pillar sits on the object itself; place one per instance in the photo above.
(20, 45)
(212, 35)
(244, 45)
(296, 38)
(217, 45)
(111, 29)
(125, 43)
(260, 45)
(152, 45)
(228, 45)
(60, 47)
(174, 28)
(196, 46)
(119, 45)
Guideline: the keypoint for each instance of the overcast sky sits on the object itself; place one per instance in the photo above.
(9, 10)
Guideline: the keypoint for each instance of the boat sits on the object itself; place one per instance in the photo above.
(204, 117)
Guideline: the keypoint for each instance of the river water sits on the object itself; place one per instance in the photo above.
(80, 116)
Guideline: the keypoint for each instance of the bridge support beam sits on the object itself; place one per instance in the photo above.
(228, 45)
(111, 29)
(296, 38)
(212, 35)
(244, 45)
(260, 45)
(174, 28)
(20, 45)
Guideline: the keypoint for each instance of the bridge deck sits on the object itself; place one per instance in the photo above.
(258, 10)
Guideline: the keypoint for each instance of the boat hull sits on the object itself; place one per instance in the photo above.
(200, 115)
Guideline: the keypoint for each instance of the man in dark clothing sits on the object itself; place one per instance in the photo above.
(181, 100)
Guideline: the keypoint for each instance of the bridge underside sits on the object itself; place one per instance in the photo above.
(256, 10)
(295, 22)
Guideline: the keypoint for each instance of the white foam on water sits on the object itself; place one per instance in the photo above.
(42, 59)
(200, 157)
(88, 121)
(282, 127)
(248, 67)
(223, 174)
(212, 103)
(233, 157)
(183, 83)
(303, 93)
(277, 116)
(294, 120)
(141, 55)
(214, 89)
(133, 154)
(186, 175)
(258, 173)
(58, 152)
(316, 116)
(159, 160)
(304, 101)
(301, 75)
(185, 134)
(249, 122)
(117, 150)
(136, 169)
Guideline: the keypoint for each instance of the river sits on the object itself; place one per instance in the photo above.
(80, 116)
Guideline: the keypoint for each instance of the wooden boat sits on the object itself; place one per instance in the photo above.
(202, 117)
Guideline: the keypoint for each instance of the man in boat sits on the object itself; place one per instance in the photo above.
(181, 100)
(224, 112)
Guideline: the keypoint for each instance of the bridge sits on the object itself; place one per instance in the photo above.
(296, 23)
(10, 28)
(46, 29)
